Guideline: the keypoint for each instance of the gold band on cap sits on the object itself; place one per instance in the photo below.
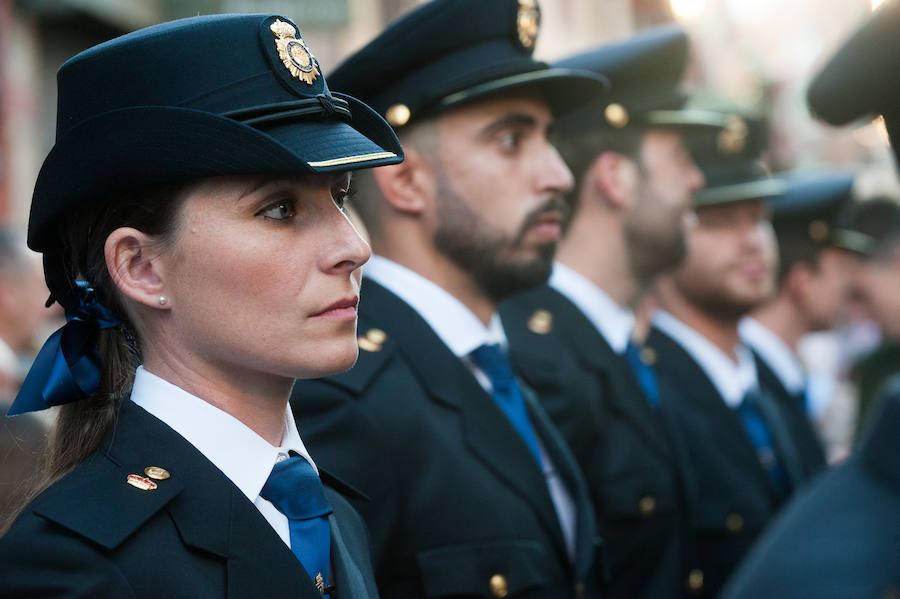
(352, 159)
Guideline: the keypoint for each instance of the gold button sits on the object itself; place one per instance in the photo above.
(498, 585)
(579, 590)
(376, 336)
(367, 344)
(541, 322)
(397, 115)
(818, 230)
(734, 523)
(156, 473)
(647, 505)
(648, 356)
(695, 580)
(616, 115)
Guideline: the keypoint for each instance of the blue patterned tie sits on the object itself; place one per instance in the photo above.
(757, 430)
(645, 374)
(506, 393)
(296, 490)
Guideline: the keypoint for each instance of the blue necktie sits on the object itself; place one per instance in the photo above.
(296, 490)
(506, 393)
(644, 372)
(757, 430)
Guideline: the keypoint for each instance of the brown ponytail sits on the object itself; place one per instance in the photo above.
(82, 425)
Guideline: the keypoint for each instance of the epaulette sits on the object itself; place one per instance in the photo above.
(375, 350)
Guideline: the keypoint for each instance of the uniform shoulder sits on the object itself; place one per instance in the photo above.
(376, 350)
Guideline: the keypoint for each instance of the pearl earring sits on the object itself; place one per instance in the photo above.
(162, 300)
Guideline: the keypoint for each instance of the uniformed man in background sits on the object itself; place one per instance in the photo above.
(738, 457)
(818, 253)
(839, 539)
(472, 490)
(571, 339)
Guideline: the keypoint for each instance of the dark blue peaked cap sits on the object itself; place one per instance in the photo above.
(731, 161)
(863, 76)
(198, 97)
(817, 207)
(645, 72)
(446, 52)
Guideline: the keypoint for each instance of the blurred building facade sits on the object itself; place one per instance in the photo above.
(759, 54)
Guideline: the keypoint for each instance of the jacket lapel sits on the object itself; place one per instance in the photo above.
(485, 429)
(624, 392)
(689, 382)
(212, 514)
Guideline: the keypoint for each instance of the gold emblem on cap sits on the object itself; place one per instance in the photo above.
(138, 481)
(528, 22)
(616, 115)
(156, 473)
(294, 52)
(397, 115)
(541, 322)
(732, 139)
(818, 230)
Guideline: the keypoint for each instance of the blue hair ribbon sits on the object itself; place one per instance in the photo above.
(68, 366)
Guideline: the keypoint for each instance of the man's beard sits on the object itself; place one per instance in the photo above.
(487, 255)
(653, 252)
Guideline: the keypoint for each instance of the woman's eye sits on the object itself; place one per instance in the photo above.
(279, 210)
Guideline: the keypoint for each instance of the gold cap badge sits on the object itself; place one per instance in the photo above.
(294, 52)
(528, 22)
(732, 139)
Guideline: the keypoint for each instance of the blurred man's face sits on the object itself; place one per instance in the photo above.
(827, 289)
(498, 192)
(731, 260)
(656, 222)
(877, 284)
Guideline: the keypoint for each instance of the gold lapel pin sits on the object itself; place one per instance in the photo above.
(139, 482)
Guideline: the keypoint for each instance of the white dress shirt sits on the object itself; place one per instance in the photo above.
(462, 332)
(731, 379)
(775, 353)
(613, 322)
(242, 455)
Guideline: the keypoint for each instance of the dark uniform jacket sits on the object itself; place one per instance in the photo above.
(459, 507)
(92, 535)
(594, 398)
(806, 439)
(730, 496)
(840, 538)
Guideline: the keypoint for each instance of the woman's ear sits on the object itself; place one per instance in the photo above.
(134, 269)
(407, 186)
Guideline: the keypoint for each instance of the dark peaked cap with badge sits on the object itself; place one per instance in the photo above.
(135, 112)
(447, 52)
(863, 76)
(645, 72)
(816, 208)
(731, 161)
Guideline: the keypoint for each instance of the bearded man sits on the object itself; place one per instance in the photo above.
(471, 490)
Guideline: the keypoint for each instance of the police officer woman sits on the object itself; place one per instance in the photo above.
(190, 217)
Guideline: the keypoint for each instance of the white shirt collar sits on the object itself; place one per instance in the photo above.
(775, 353)
(235, 449)
(451, 320)
(732, 380)
(611, 320)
